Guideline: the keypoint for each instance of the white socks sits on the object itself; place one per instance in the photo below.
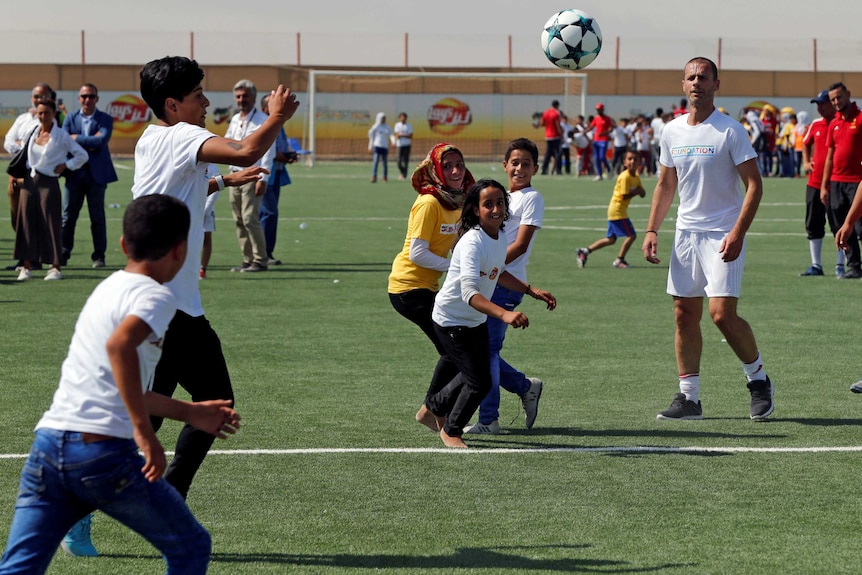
(754, 370)
(689, 385)
(815, 247)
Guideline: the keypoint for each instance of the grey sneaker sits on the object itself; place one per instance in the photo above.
(761, 398)
(98, 263)
(682, 408)
(582, 254)
(856, 387)
(530, 401)
(492, 428)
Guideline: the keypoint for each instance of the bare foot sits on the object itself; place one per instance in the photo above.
(450, 441)
(426, 418)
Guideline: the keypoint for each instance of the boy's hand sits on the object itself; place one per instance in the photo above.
(515, 319)
(215, 417)
(244, 176)
(154, 455)
(545, 296)
(283, 101)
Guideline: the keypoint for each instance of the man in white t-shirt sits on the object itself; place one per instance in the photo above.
(704, 155)
(172, 157)
(85, 452)
(403, 140)
(245, 199)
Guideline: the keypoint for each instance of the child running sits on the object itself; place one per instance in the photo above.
(526, 208)
(628, 186)
(85, 453)
(462, 307)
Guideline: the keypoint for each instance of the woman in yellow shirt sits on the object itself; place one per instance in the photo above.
(441, 181)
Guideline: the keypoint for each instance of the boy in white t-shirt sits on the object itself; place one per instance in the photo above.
(526, 209)
(172, 157)
(85, 453)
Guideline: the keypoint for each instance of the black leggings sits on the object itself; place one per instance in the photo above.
(416, 305)
(191, 357)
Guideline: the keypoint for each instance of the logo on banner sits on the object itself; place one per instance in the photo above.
(131, 115)
(449, 116)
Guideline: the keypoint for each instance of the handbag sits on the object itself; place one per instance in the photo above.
(17, 167)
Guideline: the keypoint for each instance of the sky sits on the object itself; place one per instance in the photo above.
(635, 18)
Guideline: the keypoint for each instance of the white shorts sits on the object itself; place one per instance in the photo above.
(697, 270)
(209, 220)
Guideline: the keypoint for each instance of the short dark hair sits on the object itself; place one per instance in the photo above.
(49, 103)
(469, 219)
(153, 225)
(522, 144)
(838, 85)
(90, 86)
(169, 77)
(708, 62)
(555, 104)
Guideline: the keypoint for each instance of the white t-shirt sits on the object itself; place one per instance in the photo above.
(87, 399)
(526, 208)
(705, 157)
(166, 163)
(477, 262)
(403, 128)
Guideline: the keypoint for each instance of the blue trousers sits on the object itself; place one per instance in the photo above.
(269, 216)
(81, 186)
(64, 479)
(502, 374)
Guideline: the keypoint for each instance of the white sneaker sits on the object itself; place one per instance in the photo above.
(53, 274)
(530, 401)
(23, 274)
(492, 428)
(856, 387)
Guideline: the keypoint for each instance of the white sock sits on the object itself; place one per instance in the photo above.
(689, 385)
(841, 258)
(816, 247)
(754, 370)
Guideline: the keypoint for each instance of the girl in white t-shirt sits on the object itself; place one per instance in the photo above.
(463, 305)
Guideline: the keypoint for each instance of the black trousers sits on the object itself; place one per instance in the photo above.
(552, 150)
(815, 215)
(459, 400)
(403, 160)
(192, 358)
(416, 305)
(841, 197)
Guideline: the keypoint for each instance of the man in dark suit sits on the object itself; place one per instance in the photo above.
(92, 129)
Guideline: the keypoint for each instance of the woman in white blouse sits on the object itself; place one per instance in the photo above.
(39, 226)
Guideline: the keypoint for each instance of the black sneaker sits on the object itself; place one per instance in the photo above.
(761, 398)
(681, 408)
(852, 274)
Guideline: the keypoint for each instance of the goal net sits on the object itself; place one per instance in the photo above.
(478, 112)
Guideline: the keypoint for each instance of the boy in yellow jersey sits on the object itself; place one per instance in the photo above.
(628, 186)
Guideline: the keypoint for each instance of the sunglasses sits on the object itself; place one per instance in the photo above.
(87, 96)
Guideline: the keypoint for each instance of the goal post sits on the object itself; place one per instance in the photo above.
(478, 112)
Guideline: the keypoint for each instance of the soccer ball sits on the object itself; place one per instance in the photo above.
(571, 39)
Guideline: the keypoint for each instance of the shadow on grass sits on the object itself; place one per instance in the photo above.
(315, 268)
(463, 558)
(818, 421)
(674, 433)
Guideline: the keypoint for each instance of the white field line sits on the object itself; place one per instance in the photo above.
(511, 450)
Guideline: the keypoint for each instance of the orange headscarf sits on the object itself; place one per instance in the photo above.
(428, 178)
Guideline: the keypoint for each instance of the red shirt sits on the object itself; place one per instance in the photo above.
(603, 125)
(816, 136)
(551, 122)
(845, 138)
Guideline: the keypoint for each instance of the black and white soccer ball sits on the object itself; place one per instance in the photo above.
(571, 39)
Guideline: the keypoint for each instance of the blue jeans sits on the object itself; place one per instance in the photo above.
(600, 155)
(79, 186)
(269, 216)
(502, 374)
(381, 154)
(64, 479)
